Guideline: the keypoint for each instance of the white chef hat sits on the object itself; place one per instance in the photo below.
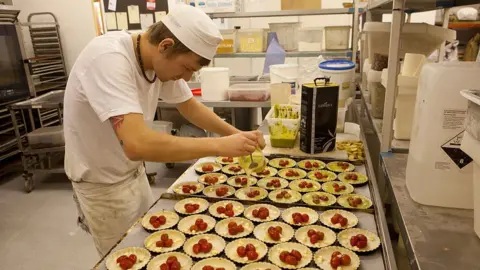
(194, 29)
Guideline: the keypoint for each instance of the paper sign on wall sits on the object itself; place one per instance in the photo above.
(146, 20)
(122, 20)
(159, 15)
(112, 5)
(133, 14)
(111, 20)
(151, 4)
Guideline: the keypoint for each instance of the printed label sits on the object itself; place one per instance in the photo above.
(454, 119)
(452, 149)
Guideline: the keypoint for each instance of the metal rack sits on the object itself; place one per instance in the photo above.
(47, 159)
(47, 68)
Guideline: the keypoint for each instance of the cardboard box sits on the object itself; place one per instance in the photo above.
(213, 6)
(301, 4)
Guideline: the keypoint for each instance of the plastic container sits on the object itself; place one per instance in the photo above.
(377, 93)
(342, 73)
(287, 34)
(162, 126)
(310, 39)
(285, 73)
(280, 93)
(418, 38)
(215, 82)
(251, 40)
(249, 92)
(283, 125)
(366, 67)
(46, 137)
(436, 173)
(405, 101)
(337, 37)
(229, 41)
(471, 146)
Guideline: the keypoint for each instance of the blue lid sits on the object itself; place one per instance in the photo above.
(337, 65)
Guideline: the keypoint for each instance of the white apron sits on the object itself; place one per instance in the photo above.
(109, 210)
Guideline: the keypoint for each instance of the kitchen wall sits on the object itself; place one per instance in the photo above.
(75, 18)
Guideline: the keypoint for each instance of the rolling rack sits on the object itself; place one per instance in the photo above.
(37, 159)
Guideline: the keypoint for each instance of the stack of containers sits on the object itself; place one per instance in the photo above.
(337, 37)
(407, 94)
(310, 39)
(287, 34)
(228, 45)
(251, 40)
(374, 85)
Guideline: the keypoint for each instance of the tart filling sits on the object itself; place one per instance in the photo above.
(336, 188)
(315, 236)
(327, 219)
(355, 201)
(290, 255)
(282, 163)
(323, 258)
(219, 191)
(321, 175)
(188, 188)
(267, 172)
(184, 261)
(191, 206)
(303, 185)
(123, 257)
(212, 178)
(246, 250)
(285, 196)
(235, 227)
(233, 169)
(226, 160)
(204, 246)
(226, 209)
(292, 174)
(353, 178)
(262, 212)
(319, 199)
(272, 183)
(340, 166)
(207, 167)
(164, 241)
(241, 181)
(251, 194)
(308, 216)
(260, 266)
(160, 220)
(311, 164)
(196, 224)
(274, 232)
(214, 264)
(359, 240)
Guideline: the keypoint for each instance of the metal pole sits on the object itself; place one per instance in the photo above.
(441, 52)
(398, 19)
(355, 32)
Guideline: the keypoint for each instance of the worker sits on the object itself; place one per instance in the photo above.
(112, 91)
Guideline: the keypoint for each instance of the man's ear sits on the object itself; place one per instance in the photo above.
(165, 44)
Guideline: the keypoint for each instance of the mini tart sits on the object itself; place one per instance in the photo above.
(216, 167)
(333, 166)
(343, 201)
(222, 178)
(220, 161)
(274, 212)
(231, 250)
(322, 258)
(362, 178)
(177, 237)
(287, 215)
(331, 176)
(272, 173)
(237, 208)
(242, 194)
(222, 227)
(251, 181)
(143, 256)
(184, 260)
(210, 191)
(283, 174)
(260, 266)
(178, 188)
(301, 235)
(308, 198)
(216, 263)
(321, 164)
(172, 220)
(261, 232)
(264, 181)
(296, 196)
(226, 170)
(180, 206)
(294, 185)
(325, 219)
(276, 163)
(373, 241)
(274, 255)
(186, 222)
(328, 187)
(218, 244)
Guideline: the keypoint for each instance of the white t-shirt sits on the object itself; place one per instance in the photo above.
(107, 81)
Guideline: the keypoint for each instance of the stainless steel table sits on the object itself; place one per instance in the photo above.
(223, 104)
(436, 238)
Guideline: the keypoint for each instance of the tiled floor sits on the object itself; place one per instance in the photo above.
(39, 231)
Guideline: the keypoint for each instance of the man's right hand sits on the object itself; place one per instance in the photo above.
(237, 145)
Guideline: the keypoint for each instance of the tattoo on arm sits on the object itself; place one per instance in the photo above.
(116, 121)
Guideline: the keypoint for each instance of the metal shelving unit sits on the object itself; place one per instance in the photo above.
(326, 11)
(339, 53)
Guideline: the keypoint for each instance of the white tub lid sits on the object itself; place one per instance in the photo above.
(337, 65)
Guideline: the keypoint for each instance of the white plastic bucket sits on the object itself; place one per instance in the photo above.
(340, 72)
(285, 73)
(215, 82)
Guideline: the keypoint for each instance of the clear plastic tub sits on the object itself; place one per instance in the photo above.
(162, 126)
(249, 92)
(46, 137)
(283, 125)
(229, 41)
(251, 40)
(287, 34)
(337, 37)
(310, 39)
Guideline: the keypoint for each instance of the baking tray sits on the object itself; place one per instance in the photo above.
(136, 235)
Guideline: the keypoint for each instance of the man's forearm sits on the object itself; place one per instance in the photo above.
(201, 116)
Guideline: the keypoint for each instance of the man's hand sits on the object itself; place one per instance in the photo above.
(260, 139)
(239, 144)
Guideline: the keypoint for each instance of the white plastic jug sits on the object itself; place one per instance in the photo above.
(436, 171)
(215, 82)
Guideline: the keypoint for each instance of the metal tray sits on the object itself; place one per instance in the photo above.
(136, 235)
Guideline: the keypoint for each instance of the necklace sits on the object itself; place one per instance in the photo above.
(141, 63)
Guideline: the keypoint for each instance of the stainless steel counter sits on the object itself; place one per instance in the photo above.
(223, 104)
(436, 238)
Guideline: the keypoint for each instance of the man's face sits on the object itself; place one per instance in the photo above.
(174, 67)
